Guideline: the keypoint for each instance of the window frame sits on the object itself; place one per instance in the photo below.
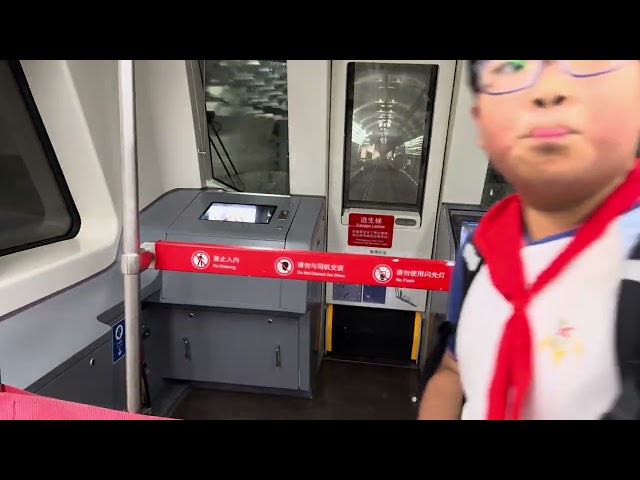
(41, 132)
(418, 205)
(208, 142)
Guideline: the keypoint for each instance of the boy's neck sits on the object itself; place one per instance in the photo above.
(543, 223)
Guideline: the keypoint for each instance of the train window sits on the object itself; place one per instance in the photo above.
(247, 116)
(495, 187)
(388, 127)
(36, 207)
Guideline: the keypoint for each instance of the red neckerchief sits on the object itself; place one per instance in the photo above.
(498, 238)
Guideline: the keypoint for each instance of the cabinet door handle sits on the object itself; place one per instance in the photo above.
(277, 355)
(187, 348)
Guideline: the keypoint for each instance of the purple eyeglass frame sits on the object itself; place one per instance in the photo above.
(564, 66)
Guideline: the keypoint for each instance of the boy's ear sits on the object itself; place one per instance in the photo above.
(475, 114)
(475, 111)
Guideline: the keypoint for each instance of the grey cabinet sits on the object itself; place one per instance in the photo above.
(233, 348)
(93, 380)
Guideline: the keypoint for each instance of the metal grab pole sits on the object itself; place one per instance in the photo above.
(130, 261)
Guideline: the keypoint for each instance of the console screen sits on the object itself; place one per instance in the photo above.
(240, 213)
(466, 228)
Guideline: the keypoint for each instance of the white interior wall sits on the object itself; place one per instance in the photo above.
(309, 87)
(167, 150)
(78, 103)
(27, 276)
(96, 83)
(465, 163)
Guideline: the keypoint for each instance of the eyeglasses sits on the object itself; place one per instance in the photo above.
(499, 77)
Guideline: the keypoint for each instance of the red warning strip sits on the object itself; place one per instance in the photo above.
(303, 265)
(17, 404)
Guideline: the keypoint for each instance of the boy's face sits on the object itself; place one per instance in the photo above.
(564, 139)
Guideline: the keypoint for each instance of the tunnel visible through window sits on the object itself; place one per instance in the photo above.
(247, 123)
(36, 207)
(389, 111)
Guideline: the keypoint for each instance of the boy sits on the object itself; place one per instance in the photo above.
(535, 334)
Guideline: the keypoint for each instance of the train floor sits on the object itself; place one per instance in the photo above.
(344, 391)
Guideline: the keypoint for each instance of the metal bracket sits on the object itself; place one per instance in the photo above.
(130, 263)
(135, 263)
(150, 247)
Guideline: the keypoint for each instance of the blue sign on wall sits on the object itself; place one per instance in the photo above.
(117, 340)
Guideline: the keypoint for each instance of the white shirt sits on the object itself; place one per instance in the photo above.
(572, 321)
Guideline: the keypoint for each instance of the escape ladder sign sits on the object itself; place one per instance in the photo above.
(370, 230)
(302, 265)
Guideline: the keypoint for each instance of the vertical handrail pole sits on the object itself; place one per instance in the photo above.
(130, 261)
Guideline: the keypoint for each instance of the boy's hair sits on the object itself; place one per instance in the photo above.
(473, 78)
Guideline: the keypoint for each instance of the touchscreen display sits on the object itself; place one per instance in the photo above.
(237, 212)
(466, 228)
